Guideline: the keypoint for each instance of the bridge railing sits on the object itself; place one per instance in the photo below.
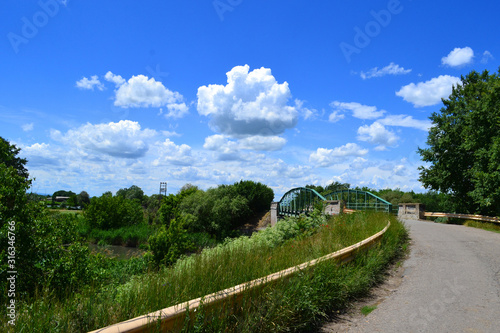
(464, 216)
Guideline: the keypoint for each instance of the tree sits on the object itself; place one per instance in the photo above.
(72, 201)
(333, 187)
(83, 199)
(108, 212)
(8, 157)
(62, 193)
(464, 145)
(131, 193)
(36, 239)
(169, 243)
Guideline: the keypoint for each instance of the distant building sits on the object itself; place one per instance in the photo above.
(61, 199)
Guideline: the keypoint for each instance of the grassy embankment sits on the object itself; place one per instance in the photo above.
(489, 226)
(289, 305)
(495, 227)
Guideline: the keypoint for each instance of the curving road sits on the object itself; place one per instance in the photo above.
(451, 283)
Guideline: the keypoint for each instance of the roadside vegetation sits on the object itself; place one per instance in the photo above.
(495, 227)
(306, 298)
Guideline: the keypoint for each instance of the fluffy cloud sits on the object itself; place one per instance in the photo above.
(458, 57)
(391, 69)
(141, 91)
(358, 110)
(487, 56)
(175, 154)
(252, 103)
(124, 139)
(230, 149)
(336, 116)
(263, 143)
(306, 113)
(40, 155)
(377, 134)
(429, 92)
(90, 84)
(406, 121)
(327, 157)
(28, 127)
(116, 79)
(220, 143)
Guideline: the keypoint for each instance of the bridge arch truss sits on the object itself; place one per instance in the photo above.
(298, 201)
(360, 200)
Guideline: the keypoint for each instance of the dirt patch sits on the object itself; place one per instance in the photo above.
(256, 223)
(352, 316)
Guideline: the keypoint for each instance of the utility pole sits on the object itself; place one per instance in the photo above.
(163, 189)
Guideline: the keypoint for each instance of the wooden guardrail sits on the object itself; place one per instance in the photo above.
(464, 216)
(173, 318)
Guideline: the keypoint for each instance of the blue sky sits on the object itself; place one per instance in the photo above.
(105, 95)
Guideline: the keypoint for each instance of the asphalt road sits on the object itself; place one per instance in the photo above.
(451, 283)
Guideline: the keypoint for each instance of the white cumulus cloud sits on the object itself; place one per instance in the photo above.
(326, 157)
(377, 134)
(358, 110)
(227, 147)
(41, 154)
(175, 154)
(429, 92)
(391, 69)
(90, 84)
(141, 91)
(336, 116)
(251, 103)
(458, 57)
(116, 79)
(262, 143)
(403, 120)
(124, 139)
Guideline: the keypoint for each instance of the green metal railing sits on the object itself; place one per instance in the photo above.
(298, 201)
(361, 200)
(302, 200)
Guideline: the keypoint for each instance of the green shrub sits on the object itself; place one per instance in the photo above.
(169, 244)
(219, 211)
(108, 212)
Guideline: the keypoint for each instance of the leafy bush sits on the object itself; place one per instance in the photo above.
(169, 244)
(219, 211)
(108, 212)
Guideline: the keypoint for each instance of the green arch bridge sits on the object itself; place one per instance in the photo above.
(302, 200)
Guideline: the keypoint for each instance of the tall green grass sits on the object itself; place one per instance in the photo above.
(495, 227)
(302, 302)
(290, 304)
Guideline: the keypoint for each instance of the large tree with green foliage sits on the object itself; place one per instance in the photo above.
(464, 145)
(33, 243)
(8, 157)
(108, 212)
(134, 192)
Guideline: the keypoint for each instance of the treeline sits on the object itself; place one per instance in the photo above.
(178, 223)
